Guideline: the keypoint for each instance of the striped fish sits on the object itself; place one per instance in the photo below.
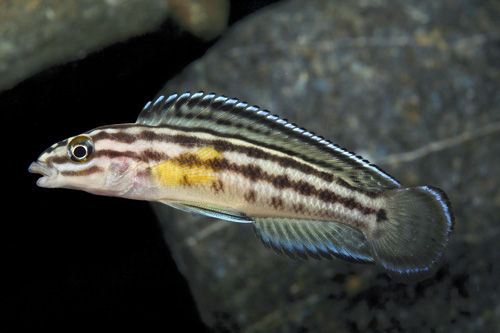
(223, 158)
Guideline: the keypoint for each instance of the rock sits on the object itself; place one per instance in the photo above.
(206, 19)
(411, 86)
(35, 34)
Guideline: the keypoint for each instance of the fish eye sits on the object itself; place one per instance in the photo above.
(80, 149)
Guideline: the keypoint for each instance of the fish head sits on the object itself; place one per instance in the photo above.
(83, 163)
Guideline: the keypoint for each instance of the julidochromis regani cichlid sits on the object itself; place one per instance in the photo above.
(220, 157)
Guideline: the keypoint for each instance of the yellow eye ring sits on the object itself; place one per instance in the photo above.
(80, 149)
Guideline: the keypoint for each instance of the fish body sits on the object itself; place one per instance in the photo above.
(223, 158)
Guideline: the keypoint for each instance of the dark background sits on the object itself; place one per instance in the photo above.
(70, 260)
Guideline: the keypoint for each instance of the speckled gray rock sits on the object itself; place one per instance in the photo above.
(411, 86)
(36, 34)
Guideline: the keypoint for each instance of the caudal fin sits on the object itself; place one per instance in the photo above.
(410, 239)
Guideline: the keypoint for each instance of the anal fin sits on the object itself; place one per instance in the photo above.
(316, 239)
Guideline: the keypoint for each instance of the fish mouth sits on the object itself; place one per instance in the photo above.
(45, 170)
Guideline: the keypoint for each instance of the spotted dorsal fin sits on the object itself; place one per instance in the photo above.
(238, 120)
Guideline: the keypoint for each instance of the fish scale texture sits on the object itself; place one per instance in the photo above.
(410, 86)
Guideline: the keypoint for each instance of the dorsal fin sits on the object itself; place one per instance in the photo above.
(232, 118)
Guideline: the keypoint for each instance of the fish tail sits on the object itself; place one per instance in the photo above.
(412, 232)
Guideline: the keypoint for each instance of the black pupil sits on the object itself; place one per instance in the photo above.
(80, 151)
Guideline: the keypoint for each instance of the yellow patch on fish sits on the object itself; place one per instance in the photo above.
(194, 167)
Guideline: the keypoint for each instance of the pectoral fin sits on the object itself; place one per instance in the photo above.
(209, 210)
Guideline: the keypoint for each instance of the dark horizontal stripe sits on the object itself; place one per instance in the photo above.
(191, 160)
(150, 135)
(224, 145)
(59, 159)
(148, 155)
(83, 172)
(115, 154)
(218, 144)
(100, 153)
(255, 173)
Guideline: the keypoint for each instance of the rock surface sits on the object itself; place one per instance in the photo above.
(36, 34)
(411, 86)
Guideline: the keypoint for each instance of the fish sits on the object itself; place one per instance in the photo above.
(220, 157)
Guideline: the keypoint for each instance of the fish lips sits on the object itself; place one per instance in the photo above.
(49, 173)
